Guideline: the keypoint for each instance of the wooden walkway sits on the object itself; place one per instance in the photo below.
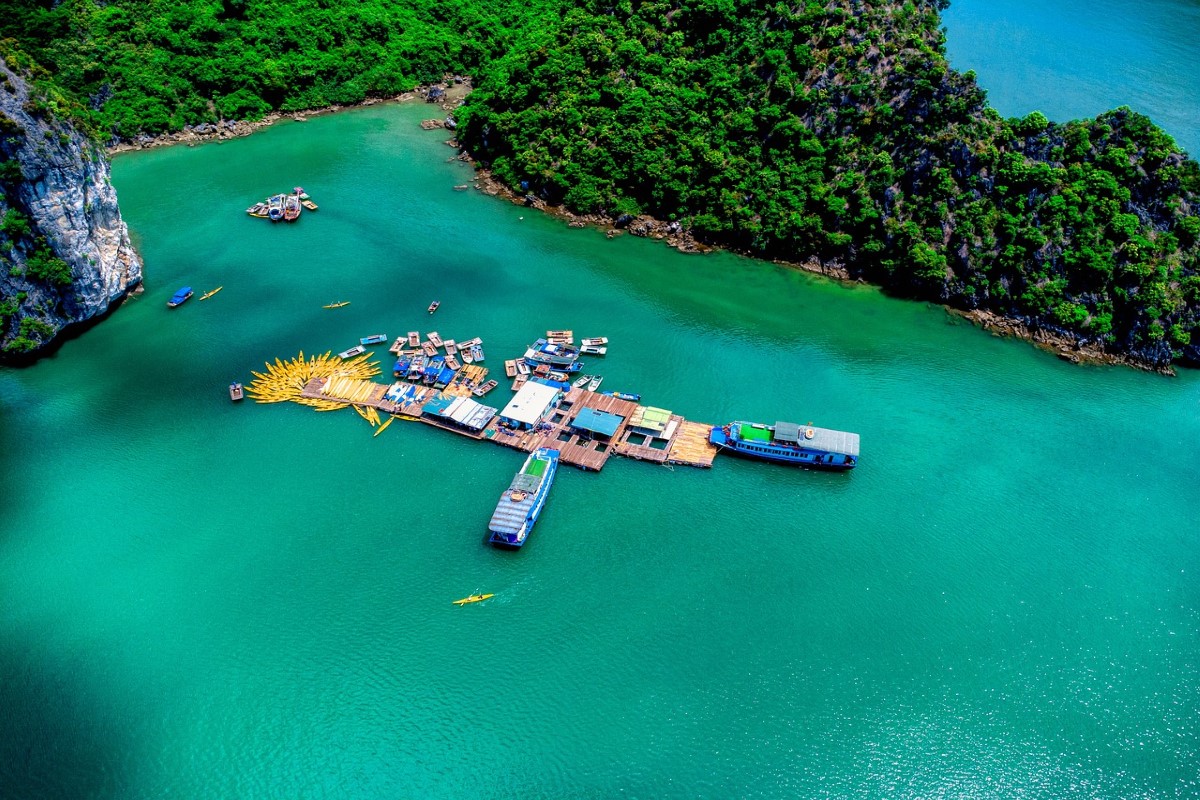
(685, 443)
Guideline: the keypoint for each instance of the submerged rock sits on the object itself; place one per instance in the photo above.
(65, 253)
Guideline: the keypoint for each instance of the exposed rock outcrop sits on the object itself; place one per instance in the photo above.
(65, 253)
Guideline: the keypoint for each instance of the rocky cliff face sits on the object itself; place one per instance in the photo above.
(65, 253)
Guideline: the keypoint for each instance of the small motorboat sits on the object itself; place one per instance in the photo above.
(519, 382)
(309, 204)
(480, 391)
(582, 381)
(594, 384)
(291, 208)
(477, 352)
(338, 304)
(593, 350)
(180, 297)
(452, 363)
(468, 356)
(435, 338)
(434, 306)
(236, 392)
(510, 368)
(594, 341)
(475, 598)
(554, 375)
(522, 368)
(627, 396)
(207, 295)
(357, 350)
(275, 208)
(414, 339)
(258, 210)
(375, 338)
(451, 347)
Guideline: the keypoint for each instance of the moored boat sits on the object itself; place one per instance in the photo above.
(519, 382)
(593, 350)
(547, 352)
(416, 367)
(180, 297)
(375, 338)
(357, 350)
(474, 598)
(582, 381)
(468, 356)
(236, 392)
(480, 391)
(429, 349)
(414, 339)
(522, 368)
(789, 443)
(275, 208)
(309, 204)
(594, 383)
(451, 347)
(452, 363)
(477, 353)
(522, 502)
(510, 368)
(435, 338)
(594, 341)
(291, 208)
(434, 306)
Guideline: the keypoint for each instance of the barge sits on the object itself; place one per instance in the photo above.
(789, 443)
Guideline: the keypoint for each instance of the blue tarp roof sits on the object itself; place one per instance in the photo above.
(438, 404)
(446, 375)
(601, 422)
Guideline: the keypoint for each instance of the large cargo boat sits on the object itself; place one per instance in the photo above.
(523, 500)
(789, 443)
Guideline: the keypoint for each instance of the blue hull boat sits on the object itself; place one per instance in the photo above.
(180, 297)
(523, 500)
(789, 443)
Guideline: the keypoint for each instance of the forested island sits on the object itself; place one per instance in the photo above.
(831, 133)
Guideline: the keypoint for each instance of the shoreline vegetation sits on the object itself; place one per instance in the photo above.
(832, 137)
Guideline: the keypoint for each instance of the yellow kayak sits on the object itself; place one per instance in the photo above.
(338, 304)
(475, 598)
(389, 421)
(207, 295)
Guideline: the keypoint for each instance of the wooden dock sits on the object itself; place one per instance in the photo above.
(683, 442)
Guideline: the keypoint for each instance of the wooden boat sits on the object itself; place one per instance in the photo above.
(414, 339)
(594, 384)
(381, 428)
(541, 370)
(477, 353)
(375, 338)
(291, 208)
(475, 598)
(309, 204)
(258, 210)
(429, 349)
(480, 391)
(452, 363)
(451, 347)
(434, 306)
(582, 381)
(554, 375)
(207, 295)
(338, 304)
(435, 338)
(568, 335)
(468, 356)
(469, 343)
(180, 297)
(357, 350)
(519, 382)
(522, 368)
(594, 341)
(510, 368)
(236, 392)
(593, 350)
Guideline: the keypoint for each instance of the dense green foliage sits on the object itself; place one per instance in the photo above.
(833, 130)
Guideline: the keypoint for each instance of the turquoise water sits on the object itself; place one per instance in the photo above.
(202, 599)
(1072, 59)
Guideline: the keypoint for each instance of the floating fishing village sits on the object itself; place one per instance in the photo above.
(553, 415)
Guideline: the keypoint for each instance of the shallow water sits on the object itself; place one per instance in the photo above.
(209, 600)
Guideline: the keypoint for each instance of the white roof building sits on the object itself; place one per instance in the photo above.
(530, 404)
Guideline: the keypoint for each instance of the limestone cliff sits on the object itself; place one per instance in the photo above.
(65, 253)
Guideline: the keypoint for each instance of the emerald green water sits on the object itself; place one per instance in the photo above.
(202, 599)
